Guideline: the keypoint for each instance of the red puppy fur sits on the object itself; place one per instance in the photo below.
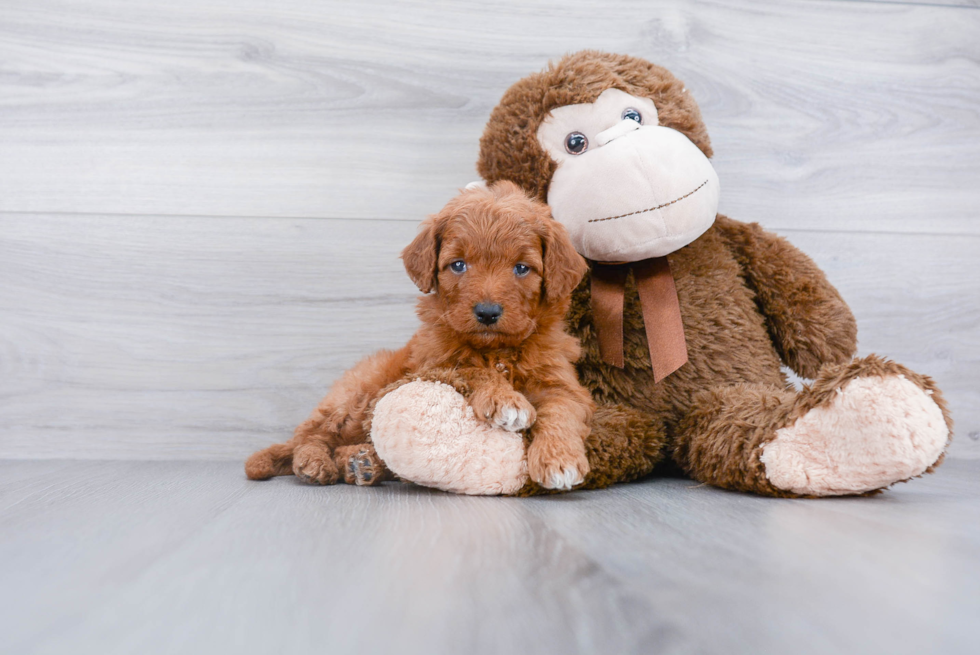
(502, 271)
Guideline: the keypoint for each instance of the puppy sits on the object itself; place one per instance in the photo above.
(502, 272)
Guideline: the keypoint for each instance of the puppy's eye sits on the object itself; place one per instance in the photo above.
(576, 143)
(632, 114)
(458, 266)
(520, 270)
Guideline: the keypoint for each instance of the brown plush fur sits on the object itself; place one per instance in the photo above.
(524, 360)
(749, 300)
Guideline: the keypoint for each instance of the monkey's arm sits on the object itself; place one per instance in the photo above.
(809, 322)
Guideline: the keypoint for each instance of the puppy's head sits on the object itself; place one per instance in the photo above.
(500, 266)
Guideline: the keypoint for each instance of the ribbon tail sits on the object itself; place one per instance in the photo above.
(608, 295)
(661, 316)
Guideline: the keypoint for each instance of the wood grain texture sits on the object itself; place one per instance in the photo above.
(189, 557)
(848, 115)
(166, 337)
(966, 4)
(169, 331)
(137, 329)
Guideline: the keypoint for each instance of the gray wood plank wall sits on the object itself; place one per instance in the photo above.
(201, 203)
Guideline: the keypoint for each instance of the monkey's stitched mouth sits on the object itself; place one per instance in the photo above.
(651, 209)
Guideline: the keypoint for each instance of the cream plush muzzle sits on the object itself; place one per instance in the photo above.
(639, 190)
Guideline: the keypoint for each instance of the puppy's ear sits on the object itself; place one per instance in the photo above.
(563, 267)
(421, 256)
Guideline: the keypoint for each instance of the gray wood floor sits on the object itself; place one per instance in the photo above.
(189, 557)
(201, 207)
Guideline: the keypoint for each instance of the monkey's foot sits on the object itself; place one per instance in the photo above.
(426, 433)
(865, 434)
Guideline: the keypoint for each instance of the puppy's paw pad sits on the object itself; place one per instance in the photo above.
(363, 469)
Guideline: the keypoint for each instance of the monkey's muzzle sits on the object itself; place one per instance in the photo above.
(644, 191)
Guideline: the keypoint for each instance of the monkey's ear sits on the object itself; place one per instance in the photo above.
(421, 256)
(563, 267)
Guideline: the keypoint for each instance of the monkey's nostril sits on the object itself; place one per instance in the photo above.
(621, 128)
(487, 313)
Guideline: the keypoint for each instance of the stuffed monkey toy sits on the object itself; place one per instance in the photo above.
(685, 317)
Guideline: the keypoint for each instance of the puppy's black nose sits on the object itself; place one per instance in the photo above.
(488, 313)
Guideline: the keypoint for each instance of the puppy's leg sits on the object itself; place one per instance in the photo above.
(339, 419)
(274, 460)
(556, 458)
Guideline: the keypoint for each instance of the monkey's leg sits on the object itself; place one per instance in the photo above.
(859, 427)
(625, 444)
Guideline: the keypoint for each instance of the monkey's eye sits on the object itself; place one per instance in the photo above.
(520, 270)
(458, 266)
(631, 114)
(576, 143)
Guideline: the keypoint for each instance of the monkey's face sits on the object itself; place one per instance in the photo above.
(626, 187)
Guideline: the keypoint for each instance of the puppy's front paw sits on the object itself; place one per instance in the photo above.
(557, 464)
(515, 417)
(509, 410)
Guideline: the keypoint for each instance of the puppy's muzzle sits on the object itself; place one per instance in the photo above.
(487, 313)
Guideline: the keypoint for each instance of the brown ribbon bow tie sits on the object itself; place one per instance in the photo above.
(661, 313)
